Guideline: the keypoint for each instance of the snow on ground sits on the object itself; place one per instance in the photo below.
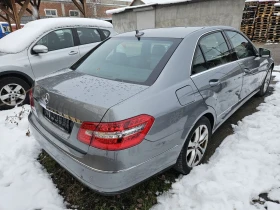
(245, 165)
(24, 185)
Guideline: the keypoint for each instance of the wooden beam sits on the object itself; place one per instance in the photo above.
(3, 17)
(9, 21)
(14, 9)
(23, 8)
(27, 9)
(84, 3)
(79, 6)
(7, 12)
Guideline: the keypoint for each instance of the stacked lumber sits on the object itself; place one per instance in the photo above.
(248, 18)
(262, 20)
(273, 34)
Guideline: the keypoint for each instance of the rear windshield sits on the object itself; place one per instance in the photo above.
(128, 59)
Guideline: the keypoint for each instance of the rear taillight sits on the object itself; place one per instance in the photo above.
(116, 135)
(31, 99)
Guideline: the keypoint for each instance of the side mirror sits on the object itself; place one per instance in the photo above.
(40, 49)
(265, 53)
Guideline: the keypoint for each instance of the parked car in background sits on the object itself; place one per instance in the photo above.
(4, 29)
(142, 102)
(41, 47)
(14, 28)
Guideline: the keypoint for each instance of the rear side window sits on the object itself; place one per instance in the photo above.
(106, 33)
(215, 49)
(129, 59)
(199, 64)
(88, 35)
(242, 47)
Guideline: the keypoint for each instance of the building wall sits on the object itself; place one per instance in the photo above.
(199, 13)
(125, 21)
(211, 12)
(63, 8)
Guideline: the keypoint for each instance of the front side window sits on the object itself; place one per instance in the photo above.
(57, 40)
(242, 47)
(51, 12)
(215, 50)
(129, 59)
(88, 35)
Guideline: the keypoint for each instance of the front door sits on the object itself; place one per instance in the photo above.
(217, 74)
(248, 61)
(62, 53)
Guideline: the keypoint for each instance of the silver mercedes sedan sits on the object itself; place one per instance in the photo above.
(143, 101)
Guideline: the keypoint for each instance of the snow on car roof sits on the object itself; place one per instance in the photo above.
(21, 39)
(147, 3)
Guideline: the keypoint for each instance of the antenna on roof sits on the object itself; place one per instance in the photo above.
(138, 34)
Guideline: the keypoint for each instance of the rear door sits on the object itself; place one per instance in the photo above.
(89, 38)
(248, 60)
(217, 74)
(62, 53)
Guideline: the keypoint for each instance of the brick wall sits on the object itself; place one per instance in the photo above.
(64, 6)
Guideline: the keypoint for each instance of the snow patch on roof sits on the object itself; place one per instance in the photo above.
(23, 38)
(260, 0)
(147, 3)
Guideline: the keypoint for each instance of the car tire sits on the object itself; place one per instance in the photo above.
(13, 91)
(265, 84)
(192, 153)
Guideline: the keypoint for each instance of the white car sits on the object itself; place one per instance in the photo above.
(41, 47)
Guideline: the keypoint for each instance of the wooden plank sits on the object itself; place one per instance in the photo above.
(79, 7)
(14, 9)
(7, 12)
(23, 8)
(85, 7)
(9, 21)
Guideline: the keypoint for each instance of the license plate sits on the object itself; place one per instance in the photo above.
(58, 120)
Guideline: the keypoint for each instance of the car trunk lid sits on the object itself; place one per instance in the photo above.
(77, 97)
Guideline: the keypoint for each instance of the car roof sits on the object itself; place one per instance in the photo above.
(174, 32)
(21, 39)
(50, 23)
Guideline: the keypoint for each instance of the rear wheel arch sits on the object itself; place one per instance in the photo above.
(17, 74)
(211, 118)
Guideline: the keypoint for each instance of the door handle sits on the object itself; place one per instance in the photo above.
(247, 70)
(214, 82)
(73, 53)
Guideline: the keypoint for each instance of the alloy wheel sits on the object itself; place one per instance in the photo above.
(197, 146)
(12, 94)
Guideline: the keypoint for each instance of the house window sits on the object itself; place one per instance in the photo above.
(51, 12)
(74, 13)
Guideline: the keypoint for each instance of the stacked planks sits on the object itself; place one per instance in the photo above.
(262, 21)
(248, 18)
(273, 34)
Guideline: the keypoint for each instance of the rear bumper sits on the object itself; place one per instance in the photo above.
(103, 182)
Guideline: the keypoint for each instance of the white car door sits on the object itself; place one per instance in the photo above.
(62, 53)
(89, 38)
